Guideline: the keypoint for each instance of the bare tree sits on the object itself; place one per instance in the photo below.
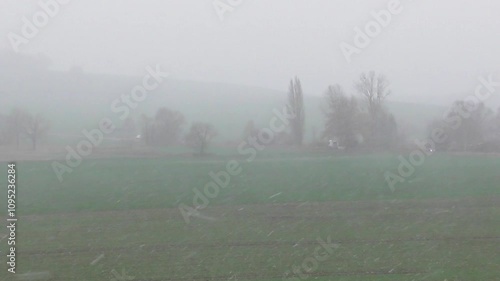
(199, 136)
(147, 129)
(379, 126)
(250, 130)
(296, 109)
(16, 122)
(496, 124)
(439, 125)
(167, 126)
(374, 88)
(467, 125)
(36, 127)
(341, 116)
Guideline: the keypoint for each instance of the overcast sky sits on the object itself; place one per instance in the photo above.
(431, 51)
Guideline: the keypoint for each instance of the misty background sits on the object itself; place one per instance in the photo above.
(260, 150)
(238, 69)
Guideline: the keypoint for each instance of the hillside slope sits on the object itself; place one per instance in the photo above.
(75, 100)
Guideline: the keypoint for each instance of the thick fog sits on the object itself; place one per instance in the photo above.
(432, 51)
(245, 140)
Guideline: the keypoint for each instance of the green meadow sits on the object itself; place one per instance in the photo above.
(119, 219)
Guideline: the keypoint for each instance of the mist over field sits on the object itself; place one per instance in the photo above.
(87, 98)
(250, 140)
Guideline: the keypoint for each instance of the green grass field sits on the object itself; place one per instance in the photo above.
(115, 216)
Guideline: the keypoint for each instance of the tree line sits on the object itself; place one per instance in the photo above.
(20, 126)
(363, 121)
(360, 120)
(165, 129)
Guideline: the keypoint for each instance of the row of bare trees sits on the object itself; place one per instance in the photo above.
(354, 120)
(21, 125)
(166, 128)
(468, 127)
(350, 120)
(366, 121)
